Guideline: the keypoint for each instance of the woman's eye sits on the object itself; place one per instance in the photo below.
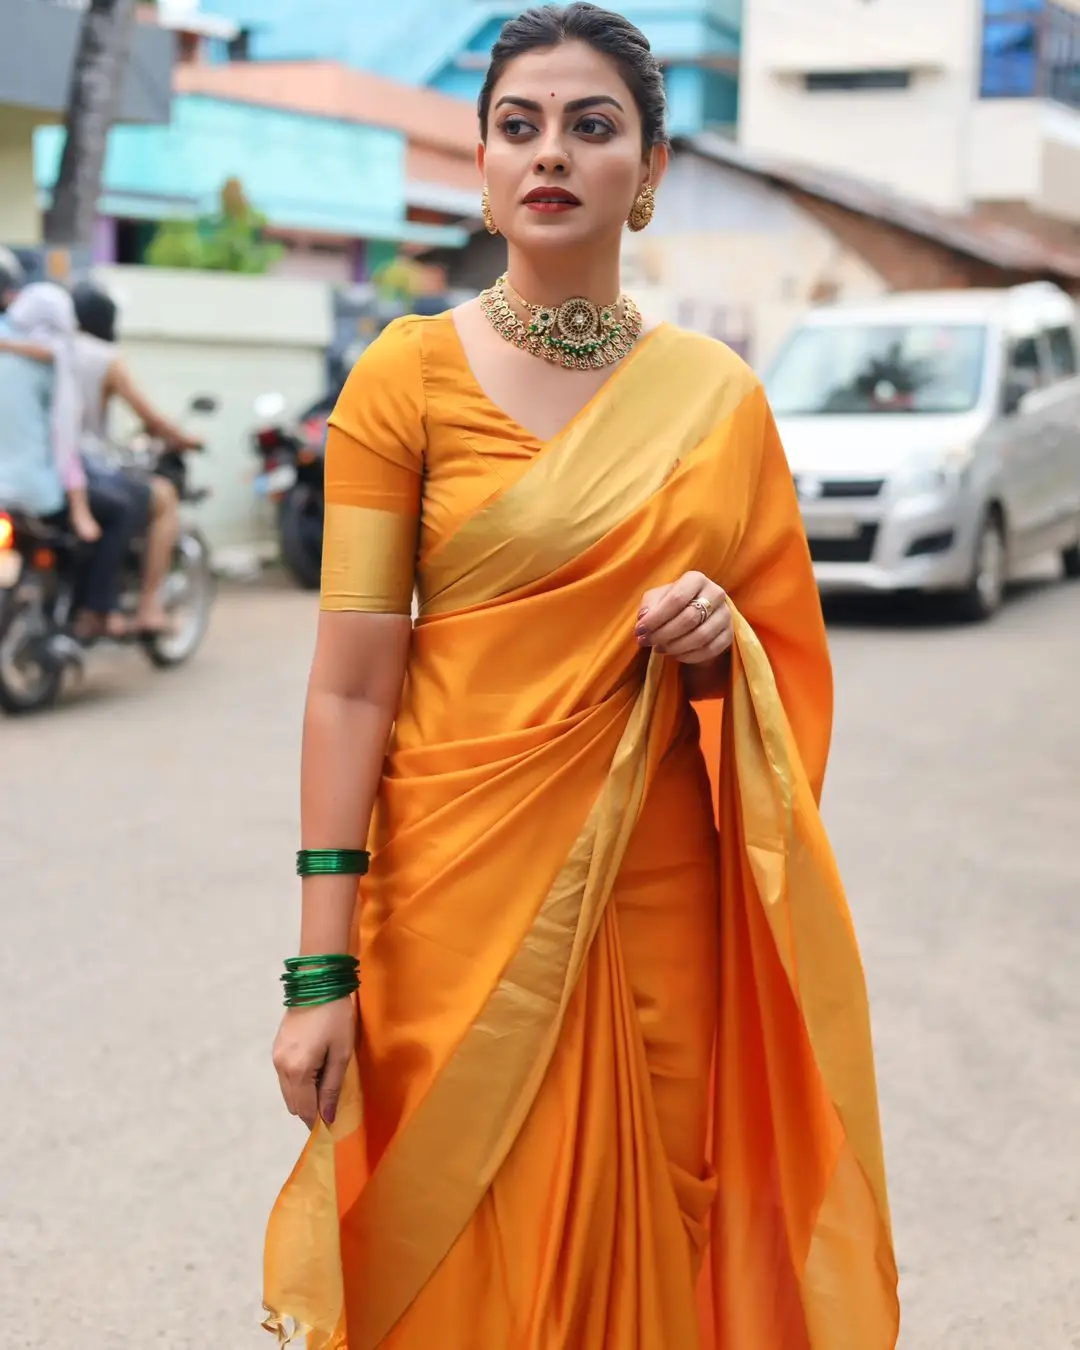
(595, 126)
(515, 126)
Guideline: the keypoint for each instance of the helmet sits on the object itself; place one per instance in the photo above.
(11, 273)
(95, 310)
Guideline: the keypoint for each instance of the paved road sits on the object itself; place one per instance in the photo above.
(145, 851)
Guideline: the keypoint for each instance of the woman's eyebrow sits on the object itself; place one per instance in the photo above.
(575, 105)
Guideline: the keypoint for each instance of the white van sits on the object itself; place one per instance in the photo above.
(935, 438)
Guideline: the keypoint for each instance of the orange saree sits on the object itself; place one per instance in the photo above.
(613, 1087)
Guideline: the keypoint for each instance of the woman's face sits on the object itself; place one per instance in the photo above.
(563, 159)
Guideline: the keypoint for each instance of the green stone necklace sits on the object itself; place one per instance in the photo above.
(576, 334)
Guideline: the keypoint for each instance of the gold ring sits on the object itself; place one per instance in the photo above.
(703, 607)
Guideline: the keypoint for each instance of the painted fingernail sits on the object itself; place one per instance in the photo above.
(640, 632)
(643, 612)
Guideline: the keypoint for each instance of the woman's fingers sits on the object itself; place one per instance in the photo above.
(688, 624)
(707, 642)
(330, 1081)
(669, 604)
(311, 1054)
(298, 1077)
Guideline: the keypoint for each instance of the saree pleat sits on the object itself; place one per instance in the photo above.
(613, 1085)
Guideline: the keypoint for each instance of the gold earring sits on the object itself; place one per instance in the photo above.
(485, 211)
(641, 213)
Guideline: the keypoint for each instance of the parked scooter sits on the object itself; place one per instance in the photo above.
(292, 478)
(39, 571)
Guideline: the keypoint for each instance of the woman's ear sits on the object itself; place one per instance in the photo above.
(659, 158)
(481, 155)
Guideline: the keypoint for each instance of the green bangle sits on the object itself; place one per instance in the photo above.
(332, 862)
(311, 981)
(337, 960)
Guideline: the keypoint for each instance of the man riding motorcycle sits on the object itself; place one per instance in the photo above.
(103, 375)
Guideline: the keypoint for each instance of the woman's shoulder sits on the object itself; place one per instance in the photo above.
(388, 378)
(402, 350)
(713, 356)
(408, 333)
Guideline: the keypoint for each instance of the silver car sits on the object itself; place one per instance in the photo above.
(935, 439)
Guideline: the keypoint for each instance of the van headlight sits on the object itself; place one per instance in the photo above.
(934, 476)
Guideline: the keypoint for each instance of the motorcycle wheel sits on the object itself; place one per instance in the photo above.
(189, 598)
(30, 680)
(301, 527)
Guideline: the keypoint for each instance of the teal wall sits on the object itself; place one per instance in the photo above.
(419, 41)
(305, 173)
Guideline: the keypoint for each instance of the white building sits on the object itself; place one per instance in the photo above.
(964, 104)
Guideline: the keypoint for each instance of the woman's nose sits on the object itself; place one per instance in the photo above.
(552, 159)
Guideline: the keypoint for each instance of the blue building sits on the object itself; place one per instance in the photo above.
(294, 153)
(444, 44)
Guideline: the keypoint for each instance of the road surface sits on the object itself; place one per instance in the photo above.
(146, 848)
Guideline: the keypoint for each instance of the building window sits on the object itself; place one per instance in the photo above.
(239, 47)
(1030, 48)
(830, 81)
(1061, 55)
(1063, 357)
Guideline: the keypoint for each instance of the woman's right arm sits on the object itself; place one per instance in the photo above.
(352, 699)
(374, 471)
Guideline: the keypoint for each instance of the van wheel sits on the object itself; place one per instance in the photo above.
(983, 596)
(1070, 561)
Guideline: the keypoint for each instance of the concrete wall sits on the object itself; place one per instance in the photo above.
(936, 141)
(20, 219)
(189, 333)
(735, 258)
(1027, 150)
(915, 138)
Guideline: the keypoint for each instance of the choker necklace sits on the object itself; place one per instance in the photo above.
(576, 334)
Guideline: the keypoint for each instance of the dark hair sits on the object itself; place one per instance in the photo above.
(95, 311)
(610, 34)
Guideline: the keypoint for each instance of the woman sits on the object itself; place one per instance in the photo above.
(616, 1082)
(40, 467)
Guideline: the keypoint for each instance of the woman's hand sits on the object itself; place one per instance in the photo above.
(83, 523)
(311, 1053)
(688, 620)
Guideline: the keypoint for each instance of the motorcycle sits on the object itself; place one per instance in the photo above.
(292, 478)
(39, 573)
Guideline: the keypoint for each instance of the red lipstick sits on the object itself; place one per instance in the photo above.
(550, 200)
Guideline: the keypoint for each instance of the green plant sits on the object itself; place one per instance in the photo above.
(177, 243)
(398, 279)
(230, 241)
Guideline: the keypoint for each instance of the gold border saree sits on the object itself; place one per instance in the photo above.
(530, 732)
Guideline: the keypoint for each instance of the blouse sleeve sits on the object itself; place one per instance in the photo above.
(772, 584)
(374, 471)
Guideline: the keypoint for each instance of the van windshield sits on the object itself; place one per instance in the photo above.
(878, 368)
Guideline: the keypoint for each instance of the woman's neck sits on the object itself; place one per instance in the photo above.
(551, 280)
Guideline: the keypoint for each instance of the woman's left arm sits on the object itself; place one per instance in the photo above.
(771, 582)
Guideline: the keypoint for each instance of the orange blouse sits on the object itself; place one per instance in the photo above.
(405, 468)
